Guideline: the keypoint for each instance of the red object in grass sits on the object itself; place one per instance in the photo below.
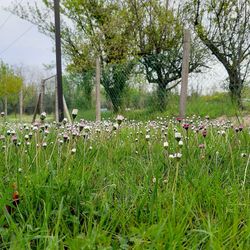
(15, 200)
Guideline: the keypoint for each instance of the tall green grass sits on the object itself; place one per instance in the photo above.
(117, 192)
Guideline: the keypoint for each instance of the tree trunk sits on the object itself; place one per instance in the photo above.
(162, 97)
(235, 87)
(116, 101)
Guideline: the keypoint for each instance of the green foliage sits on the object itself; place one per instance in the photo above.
(78, 89)
(29, 98)
(119, 32)
(114, 80)
(10, 83)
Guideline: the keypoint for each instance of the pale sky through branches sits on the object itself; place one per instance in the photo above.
(22, 44)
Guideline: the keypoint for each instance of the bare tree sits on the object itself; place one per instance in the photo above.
(224, 27)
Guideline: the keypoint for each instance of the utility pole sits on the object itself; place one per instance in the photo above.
(58, 60)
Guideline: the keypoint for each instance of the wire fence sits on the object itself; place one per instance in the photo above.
(146, 84)
(135, 85)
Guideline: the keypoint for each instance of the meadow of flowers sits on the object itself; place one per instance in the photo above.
(120, 184)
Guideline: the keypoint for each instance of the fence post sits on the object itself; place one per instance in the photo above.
(6, 105)
(184, 73)
(42, 96)
(66, 110)
(21, 103)
(97, 90)
(36, 108)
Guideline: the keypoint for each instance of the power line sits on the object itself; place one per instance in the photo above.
(5, 21)
(8, 17)
(19, 37)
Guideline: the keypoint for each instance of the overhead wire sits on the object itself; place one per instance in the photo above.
(13, 42)
(19, 37)
(8, 17)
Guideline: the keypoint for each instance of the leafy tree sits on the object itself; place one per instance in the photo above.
(29, 98)
(114, 79)
(118, 31)
(158, 31)
(224, 27)
(97, 28)
(78, 89)
(10, 83)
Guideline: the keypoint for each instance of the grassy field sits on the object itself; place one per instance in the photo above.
(216, 105)
(164, 184)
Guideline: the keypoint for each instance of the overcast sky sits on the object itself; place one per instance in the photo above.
(21, 43)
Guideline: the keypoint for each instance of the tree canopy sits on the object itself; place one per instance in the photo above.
(119, 32)
(224, 28)
(10, 83)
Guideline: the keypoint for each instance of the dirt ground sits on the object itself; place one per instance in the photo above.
(245, 120)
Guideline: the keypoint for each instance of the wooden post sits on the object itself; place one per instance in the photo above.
(42, 96)
(6, 106)
(184, 73)
(97, 90)
(36, 108)
(66, 110)
(21, 104)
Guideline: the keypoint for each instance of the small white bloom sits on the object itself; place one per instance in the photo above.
(180, 143)
(87, 128)
(115, 126)
(177, 136)
(43, 116)
(65, 120)
(74, 113)
(178, 155)
(147, 137)
(223, 132)
(73, 150)
(35, 128)
(165, 144)
(243, 155)
(119, 119)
